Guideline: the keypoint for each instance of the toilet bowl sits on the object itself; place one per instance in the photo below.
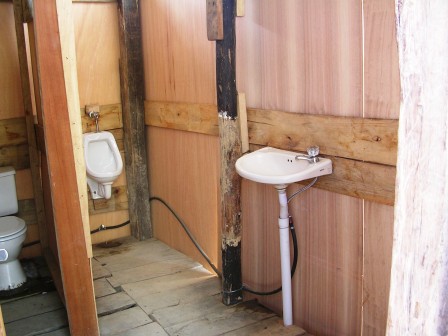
(103, 163)
(12, 235)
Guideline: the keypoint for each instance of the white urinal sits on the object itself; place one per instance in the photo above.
(103, 163)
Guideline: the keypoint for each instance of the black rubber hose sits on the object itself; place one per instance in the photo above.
(293, 268)
(190, 235)
(102, 227)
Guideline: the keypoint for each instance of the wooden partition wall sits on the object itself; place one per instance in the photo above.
(317, 57)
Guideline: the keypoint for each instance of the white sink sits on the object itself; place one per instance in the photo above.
(279, 167)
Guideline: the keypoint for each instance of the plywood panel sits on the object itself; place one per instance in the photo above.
(97, 52)
(184, 171)
(381, 72)
(378, 232)
(305, 56)
(11, 105)
(301, 56)
(179, 61)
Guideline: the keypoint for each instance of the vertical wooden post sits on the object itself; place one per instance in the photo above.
(132, 97)
(419, 276)
(230, 143)
(54, 74)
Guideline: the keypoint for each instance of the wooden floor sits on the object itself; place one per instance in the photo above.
(147, 288)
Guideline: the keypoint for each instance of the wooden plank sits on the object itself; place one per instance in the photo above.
(381, 72)
(198, 118)
(244, 131)
(34, 156)
(371, 140)
(110, 304)
(27, 211)
(378, 240)
(16, 156)
(2, 325)
(110, 118)
(67, 208)
(24, 184)
(103, 288)
(215, 26)
(13, 132)
(272, 326)
(118, 201)
(147, 329)
(110, 218)
(97, 52)
(132, 94)
(38, 324)
(152, 301)
(183, 79)
(11, 98)
(31, 306)
(418, 293)
(211, 319)
(152, 270)
(230, 150)
(99, 271)
(240, 7)
(123, 321)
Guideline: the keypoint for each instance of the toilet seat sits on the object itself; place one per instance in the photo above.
(11, 227)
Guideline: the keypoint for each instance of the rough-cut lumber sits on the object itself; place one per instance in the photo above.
(371, 140)
(32, 152)
(110, 118)
(230, 144)
(351, 176)
(419, 277)
(72, 249)
(198, 118)
(133, 91)
(215, 28)
(13, 132)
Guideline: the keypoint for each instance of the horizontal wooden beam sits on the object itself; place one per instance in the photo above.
(362, 139)
(13, 132)
(110, 118)
(15, 156)
(118, 201)
(198, 118)
(358, 170)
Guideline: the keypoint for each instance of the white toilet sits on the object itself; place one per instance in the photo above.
(12, 233)
(103, 163)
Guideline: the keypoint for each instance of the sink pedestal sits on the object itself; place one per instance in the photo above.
(283, 223)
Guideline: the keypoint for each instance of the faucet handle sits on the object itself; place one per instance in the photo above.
(313, 151)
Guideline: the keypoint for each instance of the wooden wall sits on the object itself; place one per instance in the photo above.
(13, 139)
(97, 53)
(96, 30)
(304, 56)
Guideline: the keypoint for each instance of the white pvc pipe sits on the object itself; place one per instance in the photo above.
(283, 223)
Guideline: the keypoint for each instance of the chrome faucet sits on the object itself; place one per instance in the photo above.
(312, 156)
(96, 116)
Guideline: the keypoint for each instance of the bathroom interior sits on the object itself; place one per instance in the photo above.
(334, 63)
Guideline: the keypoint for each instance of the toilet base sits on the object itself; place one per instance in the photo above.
(99, 190)
(11, 275)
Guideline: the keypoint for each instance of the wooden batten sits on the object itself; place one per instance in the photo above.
(215, 29)
(230, 145)
(357, 170)
(132, 93)
(56, 83)
(110, 118)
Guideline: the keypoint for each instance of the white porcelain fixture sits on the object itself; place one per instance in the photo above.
(103, 163)
(12, 233)
(280, 168)
(275, 166)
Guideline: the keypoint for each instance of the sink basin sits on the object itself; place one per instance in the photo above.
(279, 167)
